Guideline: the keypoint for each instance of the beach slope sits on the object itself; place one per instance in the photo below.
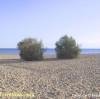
(51, 78)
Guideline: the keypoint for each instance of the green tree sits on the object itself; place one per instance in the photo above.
(31, 49)
(67, 48)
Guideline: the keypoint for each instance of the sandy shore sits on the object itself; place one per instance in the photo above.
(51, 78)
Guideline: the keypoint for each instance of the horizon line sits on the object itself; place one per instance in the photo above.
(45, 47)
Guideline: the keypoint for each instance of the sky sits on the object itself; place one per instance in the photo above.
(48, 20)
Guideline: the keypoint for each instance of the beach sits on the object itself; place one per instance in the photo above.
(52, 78)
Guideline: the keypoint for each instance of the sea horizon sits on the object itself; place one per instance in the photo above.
(49, 51)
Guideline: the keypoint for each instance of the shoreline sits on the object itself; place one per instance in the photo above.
(16, 56)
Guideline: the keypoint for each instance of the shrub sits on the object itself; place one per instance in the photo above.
(31, 49)
(67, 48)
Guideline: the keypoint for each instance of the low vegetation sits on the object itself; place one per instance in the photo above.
(67, 48)
(31, 49)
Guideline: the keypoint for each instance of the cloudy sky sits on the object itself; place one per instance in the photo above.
(48, 20)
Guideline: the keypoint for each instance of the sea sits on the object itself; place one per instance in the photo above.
(15, 51)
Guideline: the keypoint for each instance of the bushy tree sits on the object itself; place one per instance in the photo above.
(67, 48)
(31, 49)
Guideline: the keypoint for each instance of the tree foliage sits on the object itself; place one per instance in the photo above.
(31, 49)
(67, 48)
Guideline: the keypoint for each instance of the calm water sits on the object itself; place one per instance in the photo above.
(48, 51)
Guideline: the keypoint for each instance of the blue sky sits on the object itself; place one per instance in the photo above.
(48, 20)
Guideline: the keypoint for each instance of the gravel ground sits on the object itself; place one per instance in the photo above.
(51, 78)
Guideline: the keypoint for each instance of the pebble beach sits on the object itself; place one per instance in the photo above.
(51, 78)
